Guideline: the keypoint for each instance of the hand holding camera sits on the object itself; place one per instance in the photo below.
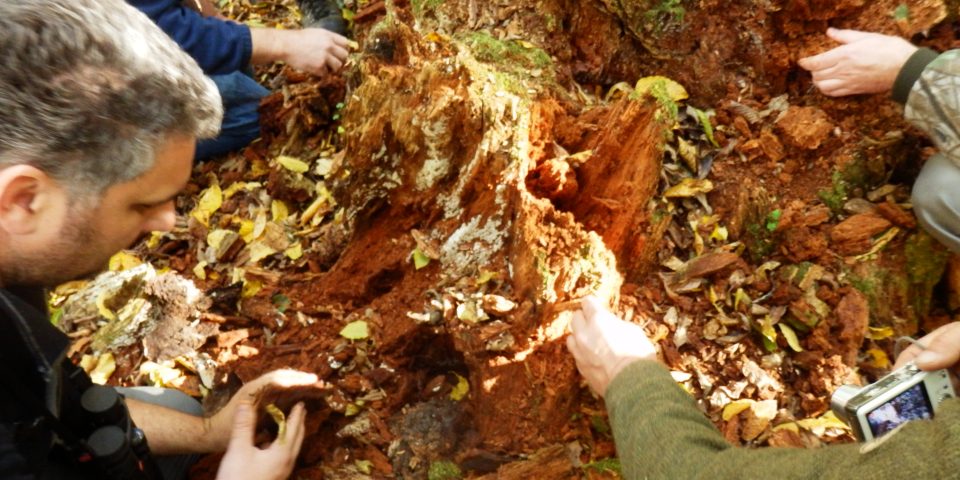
(913, 391)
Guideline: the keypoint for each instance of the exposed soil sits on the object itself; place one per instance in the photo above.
(773, 256)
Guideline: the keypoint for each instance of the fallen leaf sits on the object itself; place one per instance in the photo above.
(199, 271)
(689, 187)
(355, 330)
(294, 252)
(791, 337)
(123, 260)
(420, 259)
(106, 365)
(674, 90)
(734, 408)
(279, 211)
(879, 333)
(293, 164)
(277, 415)
(210, 201)
(461, 389)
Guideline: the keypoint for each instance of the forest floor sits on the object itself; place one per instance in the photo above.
(413, 231)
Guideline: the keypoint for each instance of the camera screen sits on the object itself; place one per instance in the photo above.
(912, 404)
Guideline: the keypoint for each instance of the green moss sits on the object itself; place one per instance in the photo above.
(926, 262)
(444, 470)
(422, 6)
(669, 109)
(606, 465)
(600, 425)
(551, 22)
(663, 15)
(515, 55)
(837, 195)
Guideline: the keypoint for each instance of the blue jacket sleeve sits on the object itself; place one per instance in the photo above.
(218, 46)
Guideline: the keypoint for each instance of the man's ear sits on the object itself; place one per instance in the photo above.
(25, 194)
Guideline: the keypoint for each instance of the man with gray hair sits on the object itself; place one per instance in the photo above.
(99, 115)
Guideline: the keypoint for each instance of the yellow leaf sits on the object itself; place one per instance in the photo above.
(161, 375)
(351, 410)
(279, 211)
(461, 389)
(154, 240)
(689, 187)
(216, 237)
(293, 164)
(741, 298)
(70, 288)
(88, 363)
(673, 89)
(734, 408)
(879, 358)
(102, 307)
(486, 276)
(355, 330)
(879, 333)
(420, 259)
(246, 230)
(106, 365)
(792, 426)
(281, 420)
(250, 288)
(364, 466)
(719, 233)
(791, 337)
(237, 186)
(294, 252)
(123, 260)
(767, 330)
(199, 271)
(818, 425)
(259, 251)
(259, 168)
(210, 202)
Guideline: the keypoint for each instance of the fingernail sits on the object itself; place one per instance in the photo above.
(927, 357)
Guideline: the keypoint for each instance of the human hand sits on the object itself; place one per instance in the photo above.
(865, 63)
(603, 345)
(244, 460)
(222, 423)
(315, 50)
(942, 349)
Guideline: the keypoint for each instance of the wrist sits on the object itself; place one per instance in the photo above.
(269, 45)
(213, 434)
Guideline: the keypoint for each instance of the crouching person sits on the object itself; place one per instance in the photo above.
(99, 115)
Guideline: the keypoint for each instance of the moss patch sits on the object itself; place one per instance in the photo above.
(422, 6)
(512, 55)
(926, 262)
(444, 470)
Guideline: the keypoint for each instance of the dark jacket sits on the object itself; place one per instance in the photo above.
(218, 46)
(37, 375)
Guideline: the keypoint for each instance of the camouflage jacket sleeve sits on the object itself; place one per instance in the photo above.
(929, 86)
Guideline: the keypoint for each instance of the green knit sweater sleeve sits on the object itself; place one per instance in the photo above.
(660, 434)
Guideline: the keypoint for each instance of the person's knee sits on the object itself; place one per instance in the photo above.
(936, 200)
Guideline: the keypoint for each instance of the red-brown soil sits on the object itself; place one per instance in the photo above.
(529, 186)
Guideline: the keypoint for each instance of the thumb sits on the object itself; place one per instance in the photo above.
(847, 36)
(244, 426)
(943, 351)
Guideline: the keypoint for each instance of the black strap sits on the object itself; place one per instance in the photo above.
(32, 402)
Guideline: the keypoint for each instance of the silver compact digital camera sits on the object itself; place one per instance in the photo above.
(901, 396)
